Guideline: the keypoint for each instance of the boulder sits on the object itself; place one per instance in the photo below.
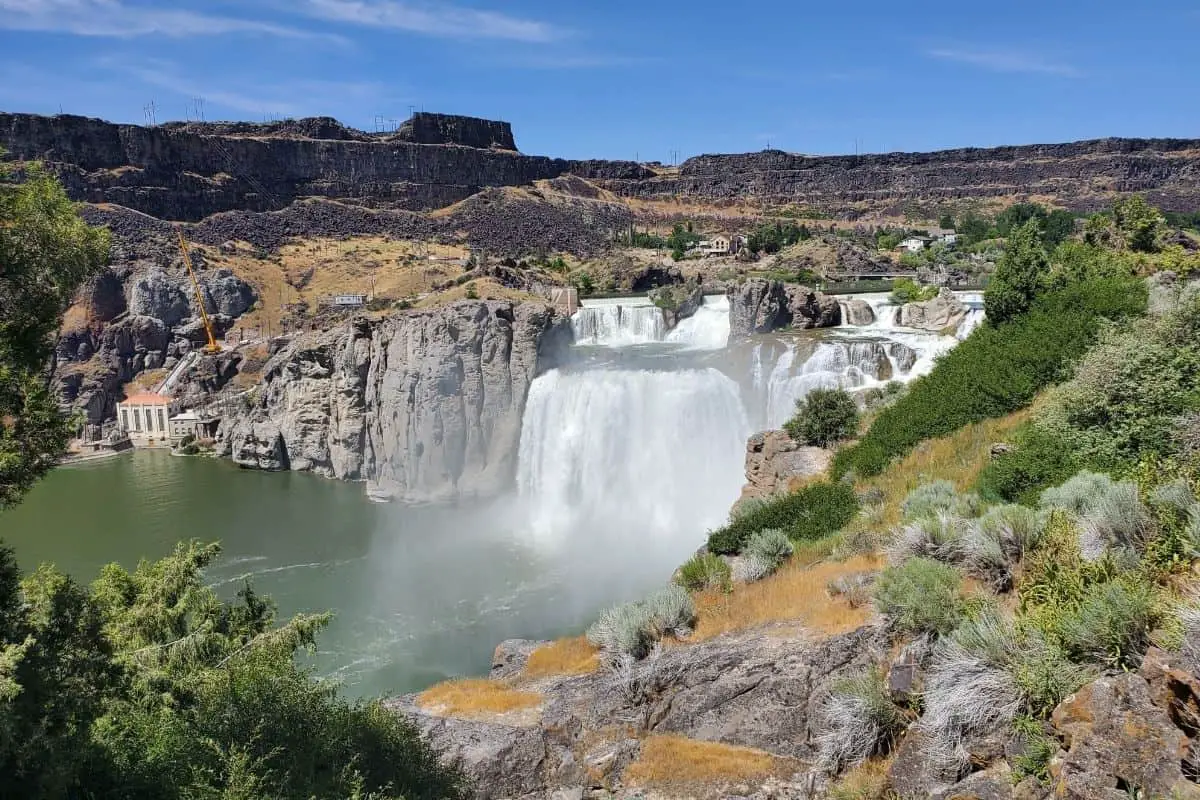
(155, 294)
(857, 312)
(678, 302)
(995, 783)
(757, 306)
(939, 314)
(511, 656)
(774, 460)
(227, 294)
(916, 771)
(811, 309)
(1115, 739)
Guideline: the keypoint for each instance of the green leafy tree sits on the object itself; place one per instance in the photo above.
(1019, 276)
(46, 252)
(946, 222)
(1057, 227)
(973, 228)
(822, 417)
(1017, 215)
(1140, 224)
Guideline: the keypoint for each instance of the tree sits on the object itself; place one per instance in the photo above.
(46, 252)
(1017, 215)
(973, 228)
(1019, 275)
(946, 222)
(1057, 227)
(1141, 225)
(823, 417)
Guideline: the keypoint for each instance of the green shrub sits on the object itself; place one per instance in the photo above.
(921, 596)
(811, 513)
(1109, 514)
(997, 370)
(631, 629)
(705, 571)
(1017, 528)
(858, 720)
(1037, 748)
(906, 290)
(822, 417)
(1020, 275)
(1112, 624)
(763, 553)
(939, 496)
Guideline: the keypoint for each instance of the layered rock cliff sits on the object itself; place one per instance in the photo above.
(761, 306)
(424, 406)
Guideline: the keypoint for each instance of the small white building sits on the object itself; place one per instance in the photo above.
(349, 300)
(189, 423)
(914, 244)
(721, 245)
(145, 418)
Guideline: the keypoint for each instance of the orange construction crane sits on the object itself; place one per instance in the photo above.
(212, 346)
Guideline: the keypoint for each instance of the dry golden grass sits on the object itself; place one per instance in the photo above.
(475, 697)
(958, 458)
(677, 759)
(868, 781)
(312, 269)
(145, 381)
(574, 656)
(485, 289)
(76, 318)
(797, 592)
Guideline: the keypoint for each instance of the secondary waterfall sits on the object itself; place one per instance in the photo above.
(631, 452)
(628, 322)
(619, 323)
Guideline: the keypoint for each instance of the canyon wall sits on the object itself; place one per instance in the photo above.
(424, 406)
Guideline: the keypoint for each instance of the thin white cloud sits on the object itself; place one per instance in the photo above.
(432, 19)
(293, 98)
(116, 19)
(1002, 60)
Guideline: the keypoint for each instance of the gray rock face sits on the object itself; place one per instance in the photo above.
(757, 689)
(155, 294)
(761, 306)
(424, 406)
(678, 302)
(225, 293)
(427, 128)
(858, 312)
(942, 312)
(774, 460)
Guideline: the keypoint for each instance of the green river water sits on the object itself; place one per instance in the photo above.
(419, 594)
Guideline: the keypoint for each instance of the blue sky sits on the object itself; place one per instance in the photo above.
(621, 78)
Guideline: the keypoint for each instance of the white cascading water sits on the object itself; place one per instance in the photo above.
(707, 329)
(622, 323)
(636, 452)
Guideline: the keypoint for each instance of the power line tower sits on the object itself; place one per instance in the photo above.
(151, 111)
(198, 107)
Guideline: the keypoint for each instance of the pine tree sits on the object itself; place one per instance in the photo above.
(1019, 275)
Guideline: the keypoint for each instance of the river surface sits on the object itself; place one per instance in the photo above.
(627, 457)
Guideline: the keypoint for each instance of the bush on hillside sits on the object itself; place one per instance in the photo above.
(762, 554)
(823, 417)
(1109, 514)
(858, 720)
(1020, 275)
(939, 496)
(997, 370)
(810, 513)
(630, 630)
(921, 596)
(1017, 528)
(705, 571)
(1112, 624)
(1124, 403)
(952, 540)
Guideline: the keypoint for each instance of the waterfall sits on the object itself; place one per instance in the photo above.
(707, 329)
(623, 323)
(637, 453)
(618, 324)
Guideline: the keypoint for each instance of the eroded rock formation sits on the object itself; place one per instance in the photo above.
(424, 406)
(944, 312)
(761, 306)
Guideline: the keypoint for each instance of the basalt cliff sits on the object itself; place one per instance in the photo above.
(423, 407)
(191, 171)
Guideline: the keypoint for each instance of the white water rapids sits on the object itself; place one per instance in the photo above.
(643, 434)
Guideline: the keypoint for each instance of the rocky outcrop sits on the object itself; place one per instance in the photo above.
(943, 312)
(678, 302)
(761, 306)
(1163, 169)
(857, 312)
(1115, 738)
(424, 406)
(193, 171)
(756, 689)
(774, 461)
(427, 128)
